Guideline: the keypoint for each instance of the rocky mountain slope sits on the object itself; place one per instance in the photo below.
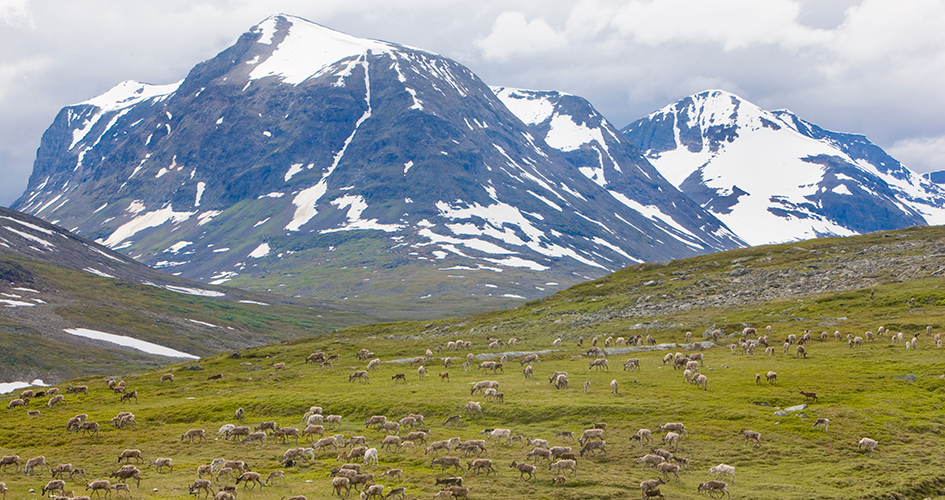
(937, 177)
(308, 162)
(596, 149)
(770, 176)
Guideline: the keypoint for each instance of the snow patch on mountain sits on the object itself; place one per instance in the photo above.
(15, 303)
(305, 202)
(567, 135)
(201, 187)
(356, 206)
(200, 292)
(526, 105)
(122, 340)
(92, 270)
(253, 302)
(222, 277)
(294, 169)
(136, 207)
(34, 227)
(177, 247)
(6, 387)
(142, 222)
(30, 237)
(307, 48)
(261, 251)
(124, 95)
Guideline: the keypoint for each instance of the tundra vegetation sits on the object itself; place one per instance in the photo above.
(867, 391)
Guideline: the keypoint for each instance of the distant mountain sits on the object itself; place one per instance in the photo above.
(60, 295)
(308, 162)
(771, 176)
(596, 149)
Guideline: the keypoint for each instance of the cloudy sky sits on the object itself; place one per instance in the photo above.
(875, 67)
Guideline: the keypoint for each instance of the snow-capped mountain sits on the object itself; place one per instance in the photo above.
(772, 177)
(301, 151)
(601, 153)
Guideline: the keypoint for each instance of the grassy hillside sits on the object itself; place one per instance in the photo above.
(35, 346)
(823, 285)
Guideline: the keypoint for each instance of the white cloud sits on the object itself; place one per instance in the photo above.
(15, 73)
(513, 34)
(883, 47)
(589, 17)
(922, 154)
(16, 14)
(735, 24)
(880, 30)
(882, 75)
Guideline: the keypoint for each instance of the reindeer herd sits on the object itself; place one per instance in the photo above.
(406, 436)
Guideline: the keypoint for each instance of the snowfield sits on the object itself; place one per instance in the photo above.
(141, 345)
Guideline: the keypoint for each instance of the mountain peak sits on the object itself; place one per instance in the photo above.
(718, 108)
(301, 49)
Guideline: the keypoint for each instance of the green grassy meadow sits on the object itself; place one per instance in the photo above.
(858, 390)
